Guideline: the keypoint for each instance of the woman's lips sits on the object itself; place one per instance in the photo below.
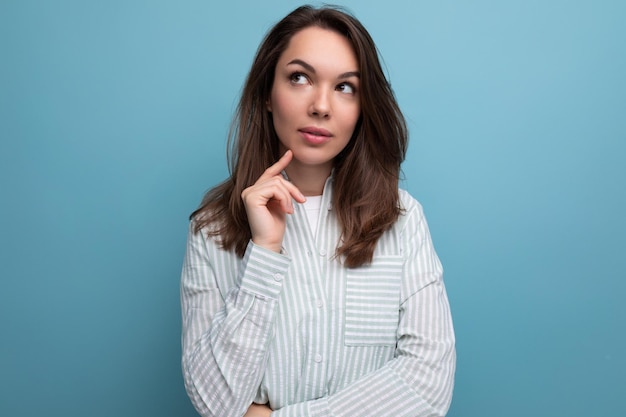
(315, 135)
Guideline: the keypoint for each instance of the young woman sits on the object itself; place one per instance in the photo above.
(310, 286)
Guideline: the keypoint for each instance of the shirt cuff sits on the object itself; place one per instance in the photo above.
(263, 271)
(313, 408)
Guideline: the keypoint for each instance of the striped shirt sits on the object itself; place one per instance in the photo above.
(310, 337)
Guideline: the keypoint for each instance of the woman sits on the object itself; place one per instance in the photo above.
(310, 285)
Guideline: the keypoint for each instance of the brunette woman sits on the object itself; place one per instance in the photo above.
(310, 285)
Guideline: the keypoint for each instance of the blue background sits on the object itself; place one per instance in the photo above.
(113, 123)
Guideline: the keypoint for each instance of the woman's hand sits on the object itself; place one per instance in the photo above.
(258, 410)
(268, 202)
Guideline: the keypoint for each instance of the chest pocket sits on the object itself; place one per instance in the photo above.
(373, 302)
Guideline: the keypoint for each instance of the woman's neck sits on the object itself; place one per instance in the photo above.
(310, 180)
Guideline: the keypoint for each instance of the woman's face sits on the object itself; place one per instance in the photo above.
(314, 100)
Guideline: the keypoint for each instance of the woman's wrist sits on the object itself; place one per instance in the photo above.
(258, 410)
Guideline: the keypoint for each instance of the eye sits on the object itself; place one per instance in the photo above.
(298, 78)
(346, 88)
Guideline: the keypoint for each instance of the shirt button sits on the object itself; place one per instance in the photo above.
(319, 303)
(278, 277)
(318, 358)
(323, 252)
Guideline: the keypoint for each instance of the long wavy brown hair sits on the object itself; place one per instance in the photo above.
(366, 172)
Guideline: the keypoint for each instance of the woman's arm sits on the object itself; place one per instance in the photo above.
(225, 339)
(418, 382)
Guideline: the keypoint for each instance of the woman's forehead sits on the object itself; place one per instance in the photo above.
(320, 48)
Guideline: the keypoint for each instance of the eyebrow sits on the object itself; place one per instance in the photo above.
(310, 68)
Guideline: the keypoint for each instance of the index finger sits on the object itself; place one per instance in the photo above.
(278, 166)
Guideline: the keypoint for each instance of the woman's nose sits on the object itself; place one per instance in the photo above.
(320, 105)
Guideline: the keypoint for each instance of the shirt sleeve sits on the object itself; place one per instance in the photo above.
(419, 381)
(225, 337)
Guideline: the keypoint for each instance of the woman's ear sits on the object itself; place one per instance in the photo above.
(268, 104)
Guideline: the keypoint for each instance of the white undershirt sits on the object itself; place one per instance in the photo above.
(312, 208)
